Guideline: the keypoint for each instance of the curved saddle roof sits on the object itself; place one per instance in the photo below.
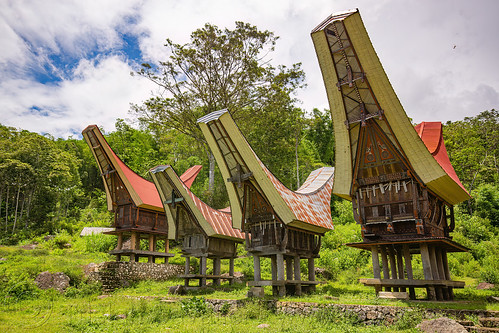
(142, 191)
(432, 135)
(173, 191)
(358, 90)
(307, 208)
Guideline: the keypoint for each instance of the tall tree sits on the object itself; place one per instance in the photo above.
(217, 69)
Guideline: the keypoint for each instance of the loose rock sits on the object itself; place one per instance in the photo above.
(58, 281)
(485, 285)
(441, 325)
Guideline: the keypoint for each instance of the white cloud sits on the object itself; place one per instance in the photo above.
(414, 40)
(99, 94)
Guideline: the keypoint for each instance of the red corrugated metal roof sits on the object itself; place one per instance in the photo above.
(431, 134)
(311, 202)
(220, 220)
(145, 189)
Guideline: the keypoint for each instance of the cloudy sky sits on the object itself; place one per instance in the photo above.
(65, 64)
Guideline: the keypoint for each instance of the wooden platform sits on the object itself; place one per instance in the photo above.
(202, 279)
(411, 283)
(141, 253)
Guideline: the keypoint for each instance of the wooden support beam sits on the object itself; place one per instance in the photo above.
(400, 265)
(445, 264)
(375, 259)
(289, 268)
(256, 268)
(425, 259)
(280, 272)
(133, 244)
(187, 269)
(441, 273)
(231, 270)
(311, 273)
(152, 247)
(297, 274)
(408, 268)
(384, 262)
(202, 270)
(434, 271)
(167, 248)
(216, 270)
(393, 265)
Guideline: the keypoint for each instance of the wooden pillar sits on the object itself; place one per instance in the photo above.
(187, 270)
(167, 249)
(133, 244)
(408, 268)
(216, 270)
(256, 268)
(280, 273)
(384, 261)
(202, 271)
(375, 259)
(434, 270)
(425, 259)
(376, 268)
(311, 272)
(400, 266)
(445, 264)
(297, 275)
(289, 268)
(393, 265)
(273, 272)
(152, 247)
(231, 270)
(120, 246)
(441, 273)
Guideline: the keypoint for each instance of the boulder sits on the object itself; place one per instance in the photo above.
(441, 325)
(256, 292)
(176, 290)
(58, 281)
(485, 285)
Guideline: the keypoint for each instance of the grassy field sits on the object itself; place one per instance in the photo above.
(146, 306)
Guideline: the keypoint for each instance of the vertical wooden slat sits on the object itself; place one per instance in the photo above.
(400, 266)
(393, 265)
(408, 268)
(375, 260)
(384, 262)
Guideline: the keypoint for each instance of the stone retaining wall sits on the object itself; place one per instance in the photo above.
(115, 274)
(367, 314)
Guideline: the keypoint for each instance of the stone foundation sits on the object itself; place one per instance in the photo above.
(116, 274)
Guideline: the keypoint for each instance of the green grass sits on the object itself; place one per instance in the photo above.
(143, 306)
(122, 314)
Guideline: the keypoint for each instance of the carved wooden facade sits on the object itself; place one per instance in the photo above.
(205, 233)
(279, 224)
(401, 184)
(137, 208)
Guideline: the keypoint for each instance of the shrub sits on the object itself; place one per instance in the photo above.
(194, 306)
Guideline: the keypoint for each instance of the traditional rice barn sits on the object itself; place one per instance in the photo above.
(401, 184)
(135, 202)
(278, 223)
(205, 232)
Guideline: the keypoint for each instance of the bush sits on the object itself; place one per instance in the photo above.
(194, 306)
(253, 309)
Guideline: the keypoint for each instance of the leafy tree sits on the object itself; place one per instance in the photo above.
(473, 147)
(217, 69)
